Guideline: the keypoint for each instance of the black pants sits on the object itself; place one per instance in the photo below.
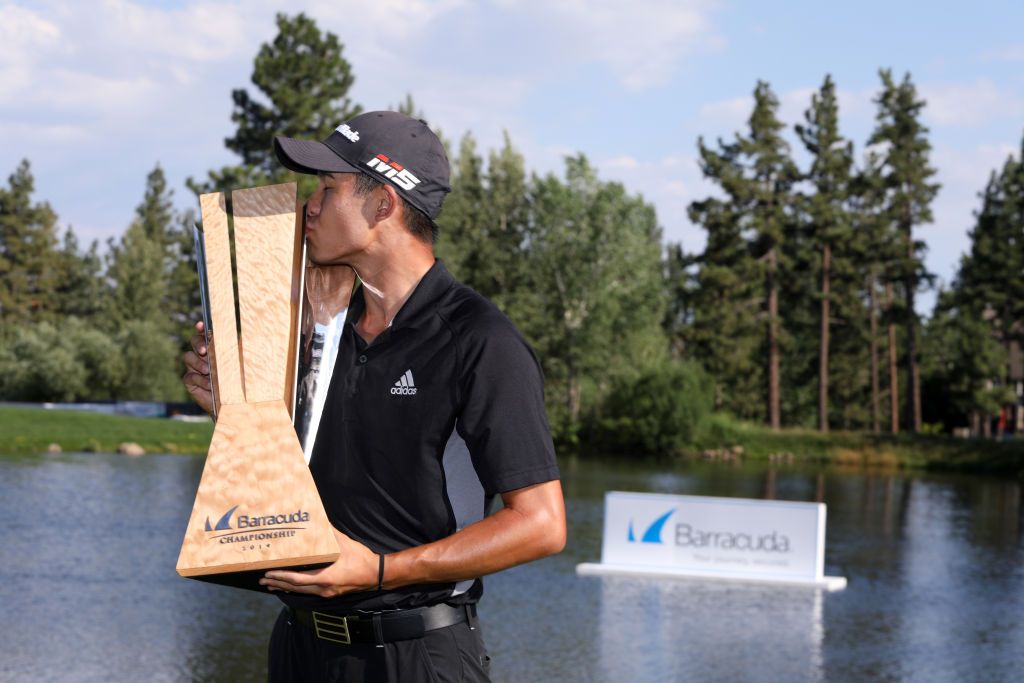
(445, 655)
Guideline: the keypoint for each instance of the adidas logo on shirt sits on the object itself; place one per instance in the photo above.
(404, 386)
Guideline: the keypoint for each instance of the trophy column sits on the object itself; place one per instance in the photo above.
(257, 506)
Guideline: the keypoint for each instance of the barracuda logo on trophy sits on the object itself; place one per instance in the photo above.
(272, 367)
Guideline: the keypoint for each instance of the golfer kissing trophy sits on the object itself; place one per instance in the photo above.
(257, 507)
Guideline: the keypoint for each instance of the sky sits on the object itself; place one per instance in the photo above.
(95, 94)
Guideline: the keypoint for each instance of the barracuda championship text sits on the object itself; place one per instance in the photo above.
(259, 527)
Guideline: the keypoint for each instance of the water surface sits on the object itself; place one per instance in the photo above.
(89, 542)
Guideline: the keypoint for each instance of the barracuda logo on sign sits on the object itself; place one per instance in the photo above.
(257, 527)
(653, 533)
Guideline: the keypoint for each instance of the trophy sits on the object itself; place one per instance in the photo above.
(257, 507)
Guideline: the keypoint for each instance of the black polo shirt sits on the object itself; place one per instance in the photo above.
(424, 426)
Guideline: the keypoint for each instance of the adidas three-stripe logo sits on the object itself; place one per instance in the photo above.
(404, 386)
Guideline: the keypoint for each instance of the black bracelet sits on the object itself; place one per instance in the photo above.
(380, 574)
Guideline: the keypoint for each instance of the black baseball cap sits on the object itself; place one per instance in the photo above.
(386, 145)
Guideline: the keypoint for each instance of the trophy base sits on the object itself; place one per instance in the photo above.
(250, 579)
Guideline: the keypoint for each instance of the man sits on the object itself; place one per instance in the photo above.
(435, 407)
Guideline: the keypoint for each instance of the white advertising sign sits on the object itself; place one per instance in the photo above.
(722, 538)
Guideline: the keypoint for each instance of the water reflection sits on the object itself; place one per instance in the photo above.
(89, 543)
(683, 630)
(88, 580)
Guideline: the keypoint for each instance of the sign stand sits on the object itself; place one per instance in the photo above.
(257, 507)
(704, 537)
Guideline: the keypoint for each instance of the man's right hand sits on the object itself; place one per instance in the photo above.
(197, 372)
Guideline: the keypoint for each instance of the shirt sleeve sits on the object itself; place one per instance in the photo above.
(502, 417)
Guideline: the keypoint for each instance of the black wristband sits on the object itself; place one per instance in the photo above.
(380, 574)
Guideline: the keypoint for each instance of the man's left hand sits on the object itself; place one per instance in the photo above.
(355, 570)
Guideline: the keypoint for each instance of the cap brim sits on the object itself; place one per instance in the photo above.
(310, 156)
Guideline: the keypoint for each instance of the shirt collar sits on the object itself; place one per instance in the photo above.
(431, 286)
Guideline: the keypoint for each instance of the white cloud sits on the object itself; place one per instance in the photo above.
(621, 162)
(41, 133)
(391, 20)
(87, 93)
(22, 32)
(114, 63)
(678, 188)
(200, 31)
(1010, 53)
(969, 168)
(726, 115)
(114, 60)
(970, 104)
(473, 107)
(641, 42)
(793, 104)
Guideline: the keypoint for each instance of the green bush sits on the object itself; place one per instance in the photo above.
(70, 360)
(151, 363)
(657, 413)
(41, 365)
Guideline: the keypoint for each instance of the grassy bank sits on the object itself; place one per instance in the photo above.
(724, 438)
(29, 430)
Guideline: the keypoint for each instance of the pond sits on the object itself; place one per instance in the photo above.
(89, 543)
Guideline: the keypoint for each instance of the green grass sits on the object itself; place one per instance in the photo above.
(29, 430)
(935, 452)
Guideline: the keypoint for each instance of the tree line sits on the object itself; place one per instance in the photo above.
(802, 305)
(799, 311)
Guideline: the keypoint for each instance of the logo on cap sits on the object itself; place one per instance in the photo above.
(393, 171)
(351, 135)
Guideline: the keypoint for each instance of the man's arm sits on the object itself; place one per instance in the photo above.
(529, 527)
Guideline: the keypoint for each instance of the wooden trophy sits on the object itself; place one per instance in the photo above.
(257, 507)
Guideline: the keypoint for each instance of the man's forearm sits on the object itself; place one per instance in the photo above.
(529, 527)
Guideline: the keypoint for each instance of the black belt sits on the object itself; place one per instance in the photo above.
(382, 627)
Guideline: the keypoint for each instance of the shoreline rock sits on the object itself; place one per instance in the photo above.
(131, 448)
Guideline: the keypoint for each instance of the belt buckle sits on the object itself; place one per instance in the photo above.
(332, 627)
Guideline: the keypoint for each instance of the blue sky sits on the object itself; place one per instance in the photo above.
(95, 94)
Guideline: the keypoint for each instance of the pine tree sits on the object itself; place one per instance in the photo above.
(832, 159)
(139, 265)
(906, 172)
(80, 290)
(303, 81)
(757, 174)
(484, 221)
(156, 212)
(183, 302)
(463, 214)
(680, 290)
(877, 246)
(135, 268)
(987, 292)
(173, 236)
(725, 334)
(967, 358)
(507, 215)
(28, 254)
(991, 275)
(139, 268)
